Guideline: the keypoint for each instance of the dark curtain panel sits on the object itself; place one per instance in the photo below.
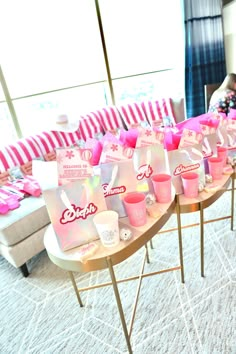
(204, 51)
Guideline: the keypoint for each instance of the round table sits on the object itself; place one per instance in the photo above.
(207, 197)
(108, 257)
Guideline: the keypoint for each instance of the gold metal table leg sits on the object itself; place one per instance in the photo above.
(151, 244)
(232, 202)
(136, 297)
(75, 288)
(180, 238)
(202, 239)
(119, 305)
(147, 254)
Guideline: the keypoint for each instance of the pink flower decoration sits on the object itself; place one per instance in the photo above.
(114, 147)
(70, 154)
(148, 133)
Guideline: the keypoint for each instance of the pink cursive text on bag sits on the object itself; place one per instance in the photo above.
(70, 215)
(181, 168)
(144, 171)
(113, 191)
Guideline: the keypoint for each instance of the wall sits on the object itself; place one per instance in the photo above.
(229, 17)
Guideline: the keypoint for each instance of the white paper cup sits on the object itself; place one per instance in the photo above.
(106, 223)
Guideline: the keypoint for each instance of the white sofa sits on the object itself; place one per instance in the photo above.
(22, 230)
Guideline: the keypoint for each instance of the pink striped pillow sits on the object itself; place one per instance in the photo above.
(90, 125)
(132, 114)
(110, 118)
(47, 141)
(158, 109)
(23, 151)
(30, 148)
(68, 138)
(7, 159)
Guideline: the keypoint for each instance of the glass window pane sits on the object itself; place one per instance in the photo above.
(142, 36)
(2, 96)
(47, 45)
(7, 129)
(149, 87)
(38, 113)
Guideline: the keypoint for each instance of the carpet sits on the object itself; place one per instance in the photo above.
(40, 314)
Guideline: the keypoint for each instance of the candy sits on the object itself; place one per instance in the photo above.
(227, 170)
(150, 199)
(208, 179)
(154, 211)
(212, 189)
(230, 160)
(125, 234)
(87, 251)
(200, 187)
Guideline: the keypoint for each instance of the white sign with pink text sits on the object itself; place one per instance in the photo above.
(148, 137)
(73, 164)
(113, 152)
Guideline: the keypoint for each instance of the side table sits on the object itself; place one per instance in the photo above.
(108, 257)
(203, 201)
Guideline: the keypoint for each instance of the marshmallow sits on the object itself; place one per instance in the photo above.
(154, 211)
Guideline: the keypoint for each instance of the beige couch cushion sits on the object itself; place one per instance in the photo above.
(22, 222)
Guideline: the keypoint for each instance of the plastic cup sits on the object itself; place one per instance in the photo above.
(106, 223)
(222, 153)
(190, 184)
(215, 167)
(162, 187)
(135, 205)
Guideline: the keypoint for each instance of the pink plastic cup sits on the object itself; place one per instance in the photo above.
(222, 153)
(190, 183)
(162, 187)
(135, 205)
(215, 167)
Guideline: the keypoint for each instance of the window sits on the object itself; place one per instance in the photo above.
(150, 86)
(141, 36)
(54, 45)
(39, 112)
(7, 130)
(52, 57)
(2, 97)
(145, 37)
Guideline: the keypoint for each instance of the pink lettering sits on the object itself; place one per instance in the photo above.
(113, 191)
(181, 168)
(69, 215)
(144, 171)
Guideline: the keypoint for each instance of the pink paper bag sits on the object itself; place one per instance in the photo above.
(118, 179)
(71, 209)
(186, 159)
(149, 160)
